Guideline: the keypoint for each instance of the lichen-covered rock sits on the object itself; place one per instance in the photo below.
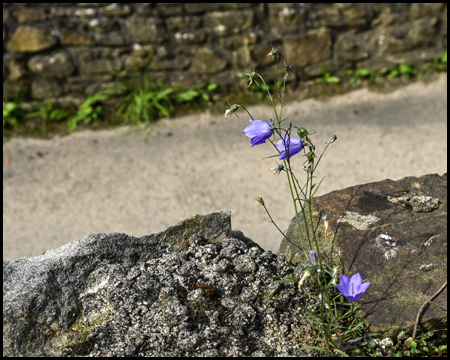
(197, 289)
(211, 300)
(394, 233)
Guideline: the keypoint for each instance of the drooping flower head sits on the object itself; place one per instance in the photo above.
(314, 257)
(258, 131)
(352, 288)
(232, 110)
(294, 145)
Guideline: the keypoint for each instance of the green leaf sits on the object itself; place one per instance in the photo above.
(72, 124)
(334, 80)
(393, 74)
(212, 87)
(58, 114)
(363, 72)
(164, 94)
(341, 352)
(312, 348)
(187, 95)
(284, 281)
(9, 107)
(405, 69)
(383, 71)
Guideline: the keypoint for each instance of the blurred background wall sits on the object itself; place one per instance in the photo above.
(73, 50)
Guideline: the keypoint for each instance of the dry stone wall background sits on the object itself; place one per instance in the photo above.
(71, 50)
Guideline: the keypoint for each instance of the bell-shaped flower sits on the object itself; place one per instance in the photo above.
(294, 145)
(352, 288)
(314, 257)
(258, 131)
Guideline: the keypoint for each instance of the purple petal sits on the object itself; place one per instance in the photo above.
(356, 279)
(345, 282)
(258, 131)
(352, 289)
(294, 144)
(363, 287)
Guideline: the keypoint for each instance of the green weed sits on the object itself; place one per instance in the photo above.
(403, 70)
(89, 110)
(192, 94)
(146, 103)
(326, 76)
(439, 64)
(11, 109)
(423, 346)
(360, 74)
(146, 100)
(48, 112)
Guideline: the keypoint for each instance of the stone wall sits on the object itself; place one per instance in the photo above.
(70, 51)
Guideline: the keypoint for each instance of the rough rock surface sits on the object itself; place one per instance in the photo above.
(394, 233)
(198, 288)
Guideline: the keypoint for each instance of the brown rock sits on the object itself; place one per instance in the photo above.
(146, 30)
(69, 37)
(230, 21)
(307, 49)
(97, 66)
(44, 88)
(394, 233)
(28, 15)
(57, 65)
(30, 39)
(207, 61)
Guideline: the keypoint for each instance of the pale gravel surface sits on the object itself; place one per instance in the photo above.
(57, 191)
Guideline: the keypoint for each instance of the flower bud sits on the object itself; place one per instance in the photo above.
(231, 110)
(260, 200)
(310, 156)
(313, 257)
(273, 52)
(302, 132)
(287, 70)
(276, 169)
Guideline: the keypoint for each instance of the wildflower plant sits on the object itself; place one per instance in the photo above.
(335, 318)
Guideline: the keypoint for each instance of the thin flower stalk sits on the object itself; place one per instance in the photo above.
(331, 318)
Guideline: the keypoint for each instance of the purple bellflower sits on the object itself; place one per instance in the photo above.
(314, 257)
(295, 145)
(258, 131)
(352, 288)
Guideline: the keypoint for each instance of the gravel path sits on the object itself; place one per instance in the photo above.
(57, 191)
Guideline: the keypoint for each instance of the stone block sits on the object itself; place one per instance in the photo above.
(394, 233)
(30, 39)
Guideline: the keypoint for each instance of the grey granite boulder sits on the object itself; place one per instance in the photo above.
(197, 288)
(394, 233)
